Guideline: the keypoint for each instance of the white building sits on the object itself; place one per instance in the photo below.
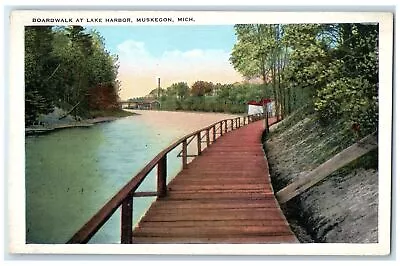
(254, 107)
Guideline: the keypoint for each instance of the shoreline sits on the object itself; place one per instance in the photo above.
(39, 130)
(188, 111)
(44, 129)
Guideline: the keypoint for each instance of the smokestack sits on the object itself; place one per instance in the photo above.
(159, 87)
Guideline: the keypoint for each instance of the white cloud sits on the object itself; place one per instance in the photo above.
(132, 48)
(134, 53)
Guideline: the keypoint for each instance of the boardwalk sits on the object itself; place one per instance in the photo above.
(224, 196)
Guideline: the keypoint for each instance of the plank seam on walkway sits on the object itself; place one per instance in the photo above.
(224, 196)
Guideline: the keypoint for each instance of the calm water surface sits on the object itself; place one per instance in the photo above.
(72, 173)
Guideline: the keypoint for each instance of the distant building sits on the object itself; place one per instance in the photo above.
(149, 105)
(129, 105)
(144, 104)
(254, 107)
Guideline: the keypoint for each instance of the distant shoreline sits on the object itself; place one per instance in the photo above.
(188, 111)
(44, 129)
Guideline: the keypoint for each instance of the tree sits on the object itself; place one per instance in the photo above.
(39, 67)
(351, 92)
(103, 97)
(155, 93)
(251, 53)
(261, 53)
(62, 65)
(331, 67)
(201, 88)
(181, 90)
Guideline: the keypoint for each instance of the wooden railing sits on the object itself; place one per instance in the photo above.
(124, 198)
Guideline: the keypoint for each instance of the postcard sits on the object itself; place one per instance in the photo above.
(200, 132)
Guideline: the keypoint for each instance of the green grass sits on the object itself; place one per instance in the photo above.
(312, 143)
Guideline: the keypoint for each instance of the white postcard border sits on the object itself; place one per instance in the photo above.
(16, 160)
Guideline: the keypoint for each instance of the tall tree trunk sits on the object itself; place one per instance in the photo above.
(288, 107)
(280, 88)
(274, 89)
(278, 69)
(289, 91)
(264, 78)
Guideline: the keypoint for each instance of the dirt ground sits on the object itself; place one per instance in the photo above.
(343, 208)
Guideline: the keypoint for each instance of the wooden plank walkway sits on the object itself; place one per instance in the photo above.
(224, 196)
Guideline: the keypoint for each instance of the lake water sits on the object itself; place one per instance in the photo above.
(70, 174)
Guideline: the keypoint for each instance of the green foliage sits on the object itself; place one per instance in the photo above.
(39, 65)
(225, 98)
(298, 115)
(351, 91)
(180, 90)
(157, 92)
(261, 52)
(170, 103)
(61, 65)
(201, 88)
(254, 53)
(333, 67)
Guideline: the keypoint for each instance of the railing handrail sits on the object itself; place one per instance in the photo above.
(218, 126)
(87, 231)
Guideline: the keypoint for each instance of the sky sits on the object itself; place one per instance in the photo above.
(172, 53)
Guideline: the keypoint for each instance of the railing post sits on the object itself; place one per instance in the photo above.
(199, 143)
(184, 154)
(226, 125)
(266, 119)
(126, 221)
(231, 124)
(220, 128)
(208, 137)
(214, 133)
(162, 177)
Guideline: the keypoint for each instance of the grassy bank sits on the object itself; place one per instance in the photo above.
(52, 122)
(341, 208)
